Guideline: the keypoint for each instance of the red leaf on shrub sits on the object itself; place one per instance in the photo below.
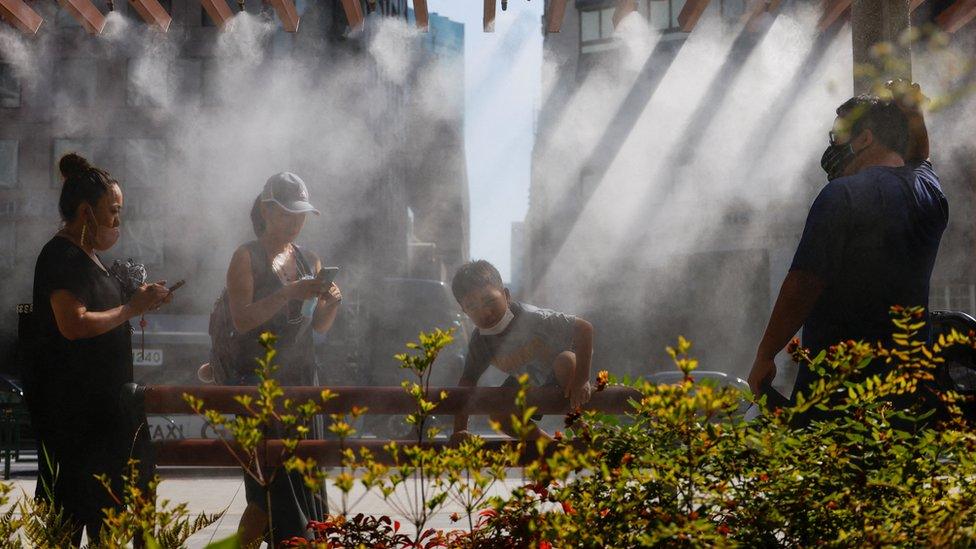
(488, 513)
(396, 526)
(724, 529)
(764, 477)
(568, 508)
(604, 513)
(545, 545)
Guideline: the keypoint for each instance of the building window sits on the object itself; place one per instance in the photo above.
(83, 76)
(8, 163)
(596, 30)
(8, 244)
(142, 241)
(663, 14)
(732, 9)
(953, 297)
(145, 162)
(9, 88)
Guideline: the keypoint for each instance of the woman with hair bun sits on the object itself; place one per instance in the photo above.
(82, 350)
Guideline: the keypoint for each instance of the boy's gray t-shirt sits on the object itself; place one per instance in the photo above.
(529, 345)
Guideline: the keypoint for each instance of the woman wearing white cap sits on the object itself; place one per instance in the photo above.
(271, 286)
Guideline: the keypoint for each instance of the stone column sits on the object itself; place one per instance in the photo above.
(879, 28)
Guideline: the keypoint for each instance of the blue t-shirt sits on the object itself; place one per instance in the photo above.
(872, 238)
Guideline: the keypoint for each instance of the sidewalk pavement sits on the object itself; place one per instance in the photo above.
(213, 490)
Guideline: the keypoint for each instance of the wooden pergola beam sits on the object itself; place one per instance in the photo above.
(153, 13)
(421, 14)
(218, 11)
(832, 11)
(691, 13)
(285, 9)
(623, 9)
(20, 15)
(957, 15)
(354, 13)
(557, 12)
(754, 14)
(85, 13)
(488, 21)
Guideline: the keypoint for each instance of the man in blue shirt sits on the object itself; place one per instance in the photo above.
(871, 235)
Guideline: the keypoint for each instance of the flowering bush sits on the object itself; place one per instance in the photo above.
(889, 462)
(687, 469)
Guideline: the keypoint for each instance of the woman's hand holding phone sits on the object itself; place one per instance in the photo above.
(330, 293)
(333, 295)
(305, 288)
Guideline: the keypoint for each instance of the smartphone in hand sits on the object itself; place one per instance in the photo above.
(327, 275)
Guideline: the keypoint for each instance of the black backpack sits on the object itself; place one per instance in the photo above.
(222, 342)
(223, 336)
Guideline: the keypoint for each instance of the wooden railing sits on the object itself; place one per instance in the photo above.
(168, 400)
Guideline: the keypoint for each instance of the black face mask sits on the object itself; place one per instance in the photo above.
(835, 158)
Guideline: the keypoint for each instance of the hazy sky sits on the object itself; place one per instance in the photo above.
(501, 90)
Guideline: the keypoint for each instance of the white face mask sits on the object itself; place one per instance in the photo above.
(500, 326)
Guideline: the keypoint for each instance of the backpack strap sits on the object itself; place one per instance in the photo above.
(304, 268)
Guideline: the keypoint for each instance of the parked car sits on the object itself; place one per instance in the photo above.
(174, 347)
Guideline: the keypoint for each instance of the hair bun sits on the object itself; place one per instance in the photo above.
(73, 165)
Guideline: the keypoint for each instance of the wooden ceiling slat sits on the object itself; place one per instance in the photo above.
(421, 14)
(691, 13)
(354, 13)
(557, 12)
(832, 12)
(86, 13)
(218, 11)
(623, 9)
(489, 18)
(20, 15)
(956, 16)
(287, 14)
(759, 8)
(153, 13)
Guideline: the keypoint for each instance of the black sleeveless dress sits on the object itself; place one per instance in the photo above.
(295, 351)
(293, 505)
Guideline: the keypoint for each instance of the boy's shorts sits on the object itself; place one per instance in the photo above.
(551, 381)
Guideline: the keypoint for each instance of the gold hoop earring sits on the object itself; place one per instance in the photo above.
(83, 229)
